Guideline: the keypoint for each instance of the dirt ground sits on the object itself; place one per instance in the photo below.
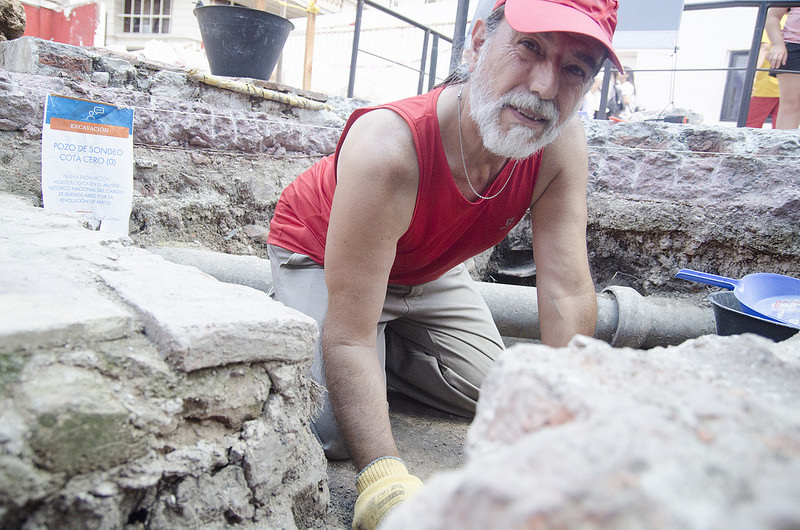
(429, 441)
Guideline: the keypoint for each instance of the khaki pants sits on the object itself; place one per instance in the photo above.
(436, 341)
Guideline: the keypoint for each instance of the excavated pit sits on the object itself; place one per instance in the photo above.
(210, 165)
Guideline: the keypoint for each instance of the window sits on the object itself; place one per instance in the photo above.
(732, 98)
(146, 16)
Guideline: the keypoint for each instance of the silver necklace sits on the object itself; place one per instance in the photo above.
(464, 162)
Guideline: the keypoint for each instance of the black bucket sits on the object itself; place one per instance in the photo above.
(731, 320)
(242, 42)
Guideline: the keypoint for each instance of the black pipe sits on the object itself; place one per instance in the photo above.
(434, 60)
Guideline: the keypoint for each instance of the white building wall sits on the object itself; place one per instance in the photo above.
(184, 22)
(705, 41)
(183, 26)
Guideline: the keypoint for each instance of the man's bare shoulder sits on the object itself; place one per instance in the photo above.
(570, 140)
(382, 141)
(382, 131)
(377, 181)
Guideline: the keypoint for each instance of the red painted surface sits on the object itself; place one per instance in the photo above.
(75, 26)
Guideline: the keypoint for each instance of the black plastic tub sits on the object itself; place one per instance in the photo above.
(731, 320)
(242, 42)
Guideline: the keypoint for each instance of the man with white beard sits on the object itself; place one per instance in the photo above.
(370, 241)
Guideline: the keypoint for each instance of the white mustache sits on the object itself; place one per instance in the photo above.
(530, 103)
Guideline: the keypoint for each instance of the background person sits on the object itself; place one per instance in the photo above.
(784, 54)
(591, 102)
(625, 93)
(371, 240)
(765, 98)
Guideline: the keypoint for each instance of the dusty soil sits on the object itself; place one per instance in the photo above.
(430, 441)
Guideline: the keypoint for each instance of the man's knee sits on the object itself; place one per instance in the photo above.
(327, 432)
(336, 450)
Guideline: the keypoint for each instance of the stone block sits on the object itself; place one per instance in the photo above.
(18, 55)
(40, 308)
(120, 70)
(45, 302)
(202, 499)
(199, 322)
(284, 463)
(21, 482)
(31, 55)
(79, 424)
(171, 84)
(231, 395)
(74, 63)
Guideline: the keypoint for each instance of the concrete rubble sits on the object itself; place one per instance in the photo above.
(705, 435)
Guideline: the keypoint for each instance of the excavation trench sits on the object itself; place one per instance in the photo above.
(625, 318)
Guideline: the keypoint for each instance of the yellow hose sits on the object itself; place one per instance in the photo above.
(247, 88)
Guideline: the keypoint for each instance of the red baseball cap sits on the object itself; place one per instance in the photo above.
(594, 18)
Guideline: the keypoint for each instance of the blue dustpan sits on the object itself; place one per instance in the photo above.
(772, 296)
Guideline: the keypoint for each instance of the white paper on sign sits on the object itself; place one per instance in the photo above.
(87, 161)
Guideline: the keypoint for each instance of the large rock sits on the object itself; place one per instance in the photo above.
(138, 391)
(720, 200)
(699, 436)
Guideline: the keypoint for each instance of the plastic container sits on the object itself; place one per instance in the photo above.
(731, 320)
(771, 296)
(242, 42)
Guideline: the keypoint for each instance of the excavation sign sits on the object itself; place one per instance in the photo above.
(87, 161)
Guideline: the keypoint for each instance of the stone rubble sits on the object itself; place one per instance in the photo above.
(705, 435)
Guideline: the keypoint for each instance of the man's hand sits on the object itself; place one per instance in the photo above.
(381, 486)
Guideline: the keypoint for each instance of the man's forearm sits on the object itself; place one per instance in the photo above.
(358, 396)
(562, 318)
(357, 392)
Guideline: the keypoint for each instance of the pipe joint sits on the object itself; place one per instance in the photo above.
(634, 320)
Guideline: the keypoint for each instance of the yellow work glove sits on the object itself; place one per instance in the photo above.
(381, 486)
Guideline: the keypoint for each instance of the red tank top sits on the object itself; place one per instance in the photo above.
(446, 229)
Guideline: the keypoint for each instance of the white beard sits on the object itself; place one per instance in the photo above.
(484, 107)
